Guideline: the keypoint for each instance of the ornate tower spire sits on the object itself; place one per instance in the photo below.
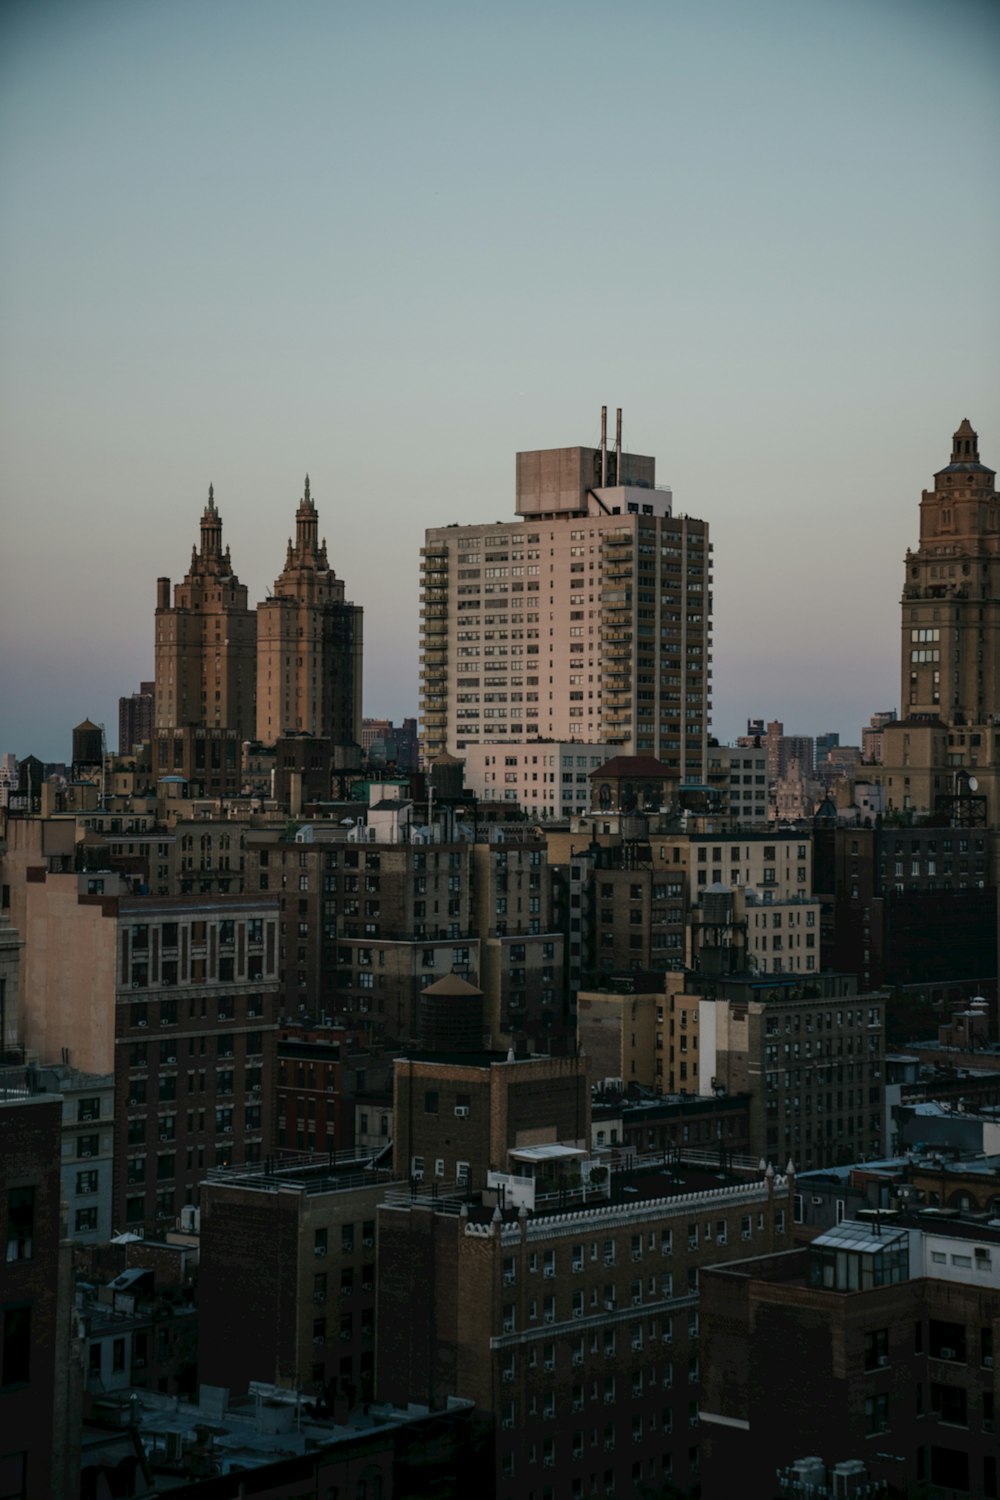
(211, 530)
(306, 528)
(965, 444)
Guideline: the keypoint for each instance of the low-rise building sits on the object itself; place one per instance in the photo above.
(287, 1277)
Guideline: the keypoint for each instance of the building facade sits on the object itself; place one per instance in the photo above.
(206, 641)
(877, 1341)
(575, 1328)
(948, 736)
(308, 645)
(586, 618)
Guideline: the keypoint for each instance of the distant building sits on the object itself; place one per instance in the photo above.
(545, 778)
(9, 779)
(206, 643)
(309, 645)
(871, 735)
(386, 743)
(135, 718)
(943, 755)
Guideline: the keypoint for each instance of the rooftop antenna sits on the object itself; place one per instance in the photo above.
(604, 446)
(618, 447)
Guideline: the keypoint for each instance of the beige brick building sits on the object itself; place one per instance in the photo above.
(586, 618)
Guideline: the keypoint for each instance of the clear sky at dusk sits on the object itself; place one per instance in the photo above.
(392, 243)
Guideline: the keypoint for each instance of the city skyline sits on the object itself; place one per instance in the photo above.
(392, 251)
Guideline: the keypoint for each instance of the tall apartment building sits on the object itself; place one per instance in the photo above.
(206, 641)
(135, 718)
(947, 742)
(587, 618)
(308, 645)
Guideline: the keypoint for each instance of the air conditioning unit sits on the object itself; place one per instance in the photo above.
(609, 1304)
(946, 1354)
(509, 1278)
(140, 1364)
(549, 1317)
(508, 1376)
(86, 1153)
(418, 1175)
(549, 1271)
(255, 1089)
(140, 1023)
(988, 1361)
(462, 1111)
(578, 1359)
(319, 1250)
(578, 1312)
(507, 1422)
(368, 1243)
(883, 1361)
(816, 1201)
(133, 1101)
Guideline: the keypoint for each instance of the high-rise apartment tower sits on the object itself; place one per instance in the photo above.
(309, 642)
(206, 641)
(946, 743)
(587, 618)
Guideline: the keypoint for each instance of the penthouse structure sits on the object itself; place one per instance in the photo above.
(587, 617)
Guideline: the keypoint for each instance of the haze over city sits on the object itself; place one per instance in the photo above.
(393, 245)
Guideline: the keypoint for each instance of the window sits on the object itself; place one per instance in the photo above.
(16, 1345)
(876, 1348)
(20, 1223)
(877, 1413)
(949, 1403)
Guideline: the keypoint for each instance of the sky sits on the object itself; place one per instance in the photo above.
(392, 244)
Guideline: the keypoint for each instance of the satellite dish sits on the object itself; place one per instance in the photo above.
(973, 784)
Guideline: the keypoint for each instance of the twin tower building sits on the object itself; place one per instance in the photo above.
(290, 666)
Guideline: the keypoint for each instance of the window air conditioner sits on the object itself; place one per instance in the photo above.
(462, 1111)
(883, 1361)
(946, 1354)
